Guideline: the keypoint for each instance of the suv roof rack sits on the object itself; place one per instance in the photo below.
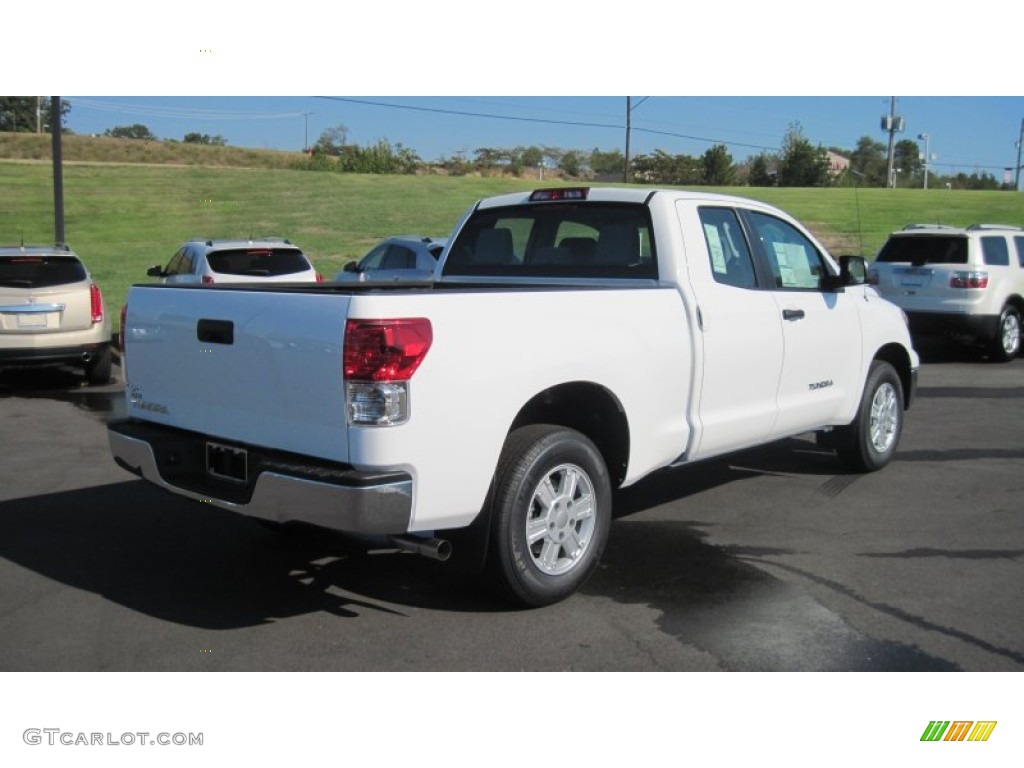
(928, 226)
(996, 226)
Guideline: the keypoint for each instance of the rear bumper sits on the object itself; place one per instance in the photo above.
(940, 323)
(30, 356)
(280, 487)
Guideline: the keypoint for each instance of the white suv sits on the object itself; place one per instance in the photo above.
(51, 312)
(958, 281)
(237, 261)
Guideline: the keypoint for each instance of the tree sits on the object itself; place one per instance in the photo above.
(801, 164)
(610, 162)
(205, 138)
(571, 163)
(868, 162)
(907, 157)
(760, 172)
(18, 113)
(135, 131)
(332, 140)
(717, 168)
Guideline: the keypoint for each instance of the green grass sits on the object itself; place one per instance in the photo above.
(122, 219)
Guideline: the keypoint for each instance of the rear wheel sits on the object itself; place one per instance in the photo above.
(870, 441)
(551, 514)
(97, 370)
(1005, 346)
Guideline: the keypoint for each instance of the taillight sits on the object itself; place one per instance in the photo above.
(380, 357)
(96, 302)
(319, 277)
(968, 280)
(207, 280)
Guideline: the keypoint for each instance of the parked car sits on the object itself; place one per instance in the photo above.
(51, 312)
(404, 257)
(237, 261)
(958, 281)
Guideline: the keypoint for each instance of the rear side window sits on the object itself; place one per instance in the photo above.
(589, 240)
(40, 271)
(731, 263)
(925, 249)
(995, 251)
(258, 262)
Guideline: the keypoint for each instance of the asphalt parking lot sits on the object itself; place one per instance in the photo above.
(769, 560)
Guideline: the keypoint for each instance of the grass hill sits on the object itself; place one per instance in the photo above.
(123, 216)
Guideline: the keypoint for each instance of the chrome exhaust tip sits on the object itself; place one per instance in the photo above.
(435, 549)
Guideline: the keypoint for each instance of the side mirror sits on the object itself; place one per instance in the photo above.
(352, 266)
(853, 270)
(156, 271)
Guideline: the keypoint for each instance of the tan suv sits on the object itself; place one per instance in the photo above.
(51, 312)
(965, 282)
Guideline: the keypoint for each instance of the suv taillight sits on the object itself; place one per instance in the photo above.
(319, 277)
(379, 359)
(968, 280)
(207, 280)
(96, 303)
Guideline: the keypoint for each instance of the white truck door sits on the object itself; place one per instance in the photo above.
(740, 333)
(821, 329)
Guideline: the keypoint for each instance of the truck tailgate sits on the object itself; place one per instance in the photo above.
(253, 366)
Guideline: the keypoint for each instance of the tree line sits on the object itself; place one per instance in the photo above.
(797, 163)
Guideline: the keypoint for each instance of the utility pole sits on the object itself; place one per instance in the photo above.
(890, 125)
(58, 172)
(1020, 143)
(305, 146)
(625, 166)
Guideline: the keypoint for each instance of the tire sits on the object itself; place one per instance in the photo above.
(868, 444)
(551, 511)
(1005, 346)
(97, 371)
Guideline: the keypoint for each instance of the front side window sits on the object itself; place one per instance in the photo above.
(731, 263)
(1019, 243)
(174, 266)
(794, 261)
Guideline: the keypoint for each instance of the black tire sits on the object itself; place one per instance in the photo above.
(97, 370)
(561, 464)
(868, 444)
(1005, 346)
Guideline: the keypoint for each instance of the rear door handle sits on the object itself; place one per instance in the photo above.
(792, 314)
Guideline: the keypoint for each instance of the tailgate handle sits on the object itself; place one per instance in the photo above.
(215, 331)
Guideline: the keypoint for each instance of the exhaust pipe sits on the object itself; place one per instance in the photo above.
(435, 549)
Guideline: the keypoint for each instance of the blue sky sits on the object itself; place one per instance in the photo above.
(966, 133)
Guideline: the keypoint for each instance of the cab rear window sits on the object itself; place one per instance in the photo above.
(258, 262)
(40, 271)
(588, 240)
(925, 249)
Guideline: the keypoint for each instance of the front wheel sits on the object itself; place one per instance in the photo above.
(870, 441)
(1005, 346)
(551, 514)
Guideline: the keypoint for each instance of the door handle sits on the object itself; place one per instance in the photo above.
(792, 314)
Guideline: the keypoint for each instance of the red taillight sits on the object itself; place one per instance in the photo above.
(96, 302)
(386, 350)
(207, 280)
(968, 280)
(319, 277)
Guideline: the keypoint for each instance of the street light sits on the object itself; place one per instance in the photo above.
(924, 137)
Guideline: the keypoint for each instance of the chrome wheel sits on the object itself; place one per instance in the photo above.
(561, 518)
(1010, 333)
(885, 417)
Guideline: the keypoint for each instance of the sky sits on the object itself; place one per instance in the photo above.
(966, 134)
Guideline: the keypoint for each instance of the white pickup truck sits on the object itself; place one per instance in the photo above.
(572, 341)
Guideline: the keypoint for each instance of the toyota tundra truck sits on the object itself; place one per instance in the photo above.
(570, 342)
